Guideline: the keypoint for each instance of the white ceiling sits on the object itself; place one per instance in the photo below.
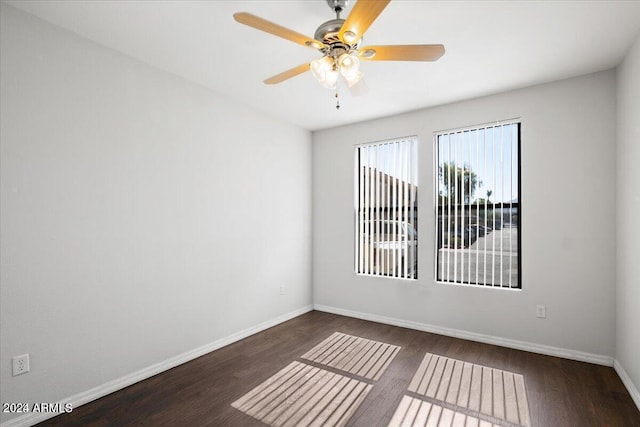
(492, 46)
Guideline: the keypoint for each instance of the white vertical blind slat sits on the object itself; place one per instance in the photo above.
(358, 227)
(455, 210)
(404, 246)
(367, 225)
(501, 169)
(365, 231)
(389, 201)
(463, 229)
(486, 210)
(403, 211)
(414, 207)
(477, 167)
(376, 219)
(449, 203)
(493, 215)
(394, 238)
(511, 198)
(440, 221)
(362, 209)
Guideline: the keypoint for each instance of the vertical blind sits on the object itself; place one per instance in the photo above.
(386, 209)
(478, 206)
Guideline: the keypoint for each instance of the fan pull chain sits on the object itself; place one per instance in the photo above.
(337, 100)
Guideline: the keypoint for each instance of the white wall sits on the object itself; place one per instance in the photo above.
(568, 215)
(142, 216)
(628, 212)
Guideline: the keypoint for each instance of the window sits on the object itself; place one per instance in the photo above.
(478, 206)
(386, 208)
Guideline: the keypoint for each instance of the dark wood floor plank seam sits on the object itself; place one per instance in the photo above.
(336, 371)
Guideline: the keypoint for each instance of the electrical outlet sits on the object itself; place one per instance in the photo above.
(281, 289)
(541, 311)
(20, 364)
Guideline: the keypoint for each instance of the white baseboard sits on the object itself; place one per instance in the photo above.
(472, 336)
(626, 380)
(122, 382)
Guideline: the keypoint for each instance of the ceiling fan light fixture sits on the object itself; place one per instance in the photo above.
(350, 68)
(348, 62)
(323, 70)
(353, 78)
(331, 79)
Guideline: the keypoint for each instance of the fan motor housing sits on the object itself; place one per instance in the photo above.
(328, 31)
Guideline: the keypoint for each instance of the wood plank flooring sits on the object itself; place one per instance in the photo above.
(559, 392)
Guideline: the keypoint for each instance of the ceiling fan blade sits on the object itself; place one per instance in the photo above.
(362, 15)
(277, 30)
(409, 52)
(279, 78)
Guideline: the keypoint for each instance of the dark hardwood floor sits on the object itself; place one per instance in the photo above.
(199, 393)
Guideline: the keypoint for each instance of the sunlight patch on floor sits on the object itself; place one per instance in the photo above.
(303, 395)
(482, 389)
(358, 356)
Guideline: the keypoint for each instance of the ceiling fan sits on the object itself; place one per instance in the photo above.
(339, 42)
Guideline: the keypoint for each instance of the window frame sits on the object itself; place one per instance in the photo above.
(406, 217)
(436, 194)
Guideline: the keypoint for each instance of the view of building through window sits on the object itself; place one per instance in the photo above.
(478, 206)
